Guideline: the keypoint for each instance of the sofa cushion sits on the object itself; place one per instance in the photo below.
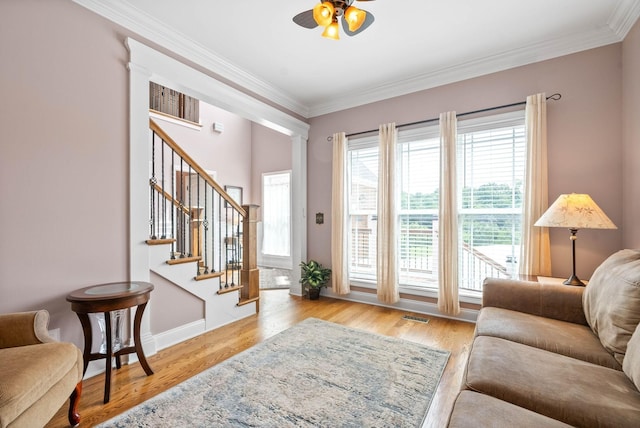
(472, 410)
(631, 363)
(555, 301)
(28, 372)
(611, 301)
(561, 337)
(567, 389)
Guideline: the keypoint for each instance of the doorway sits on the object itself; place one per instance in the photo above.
(275, 249)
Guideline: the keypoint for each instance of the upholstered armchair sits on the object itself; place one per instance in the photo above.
(37, 373)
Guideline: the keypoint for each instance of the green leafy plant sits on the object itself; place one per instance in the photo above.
(314, 275)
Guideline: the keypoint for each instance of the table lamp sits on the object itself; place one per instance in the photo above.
(575, 211)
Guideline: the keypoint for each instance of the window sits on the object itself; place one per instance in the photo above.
(362, 176)
(276, 214)
(490, 176)
(173, 103)
(491, 162)
(419, 170)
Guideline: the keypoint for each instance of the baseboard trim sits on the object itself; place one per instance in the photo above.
(188, 331)
(180, 334)
(417, 306)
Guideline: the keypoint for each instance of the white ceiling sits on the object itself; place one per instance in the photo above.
(412, 45)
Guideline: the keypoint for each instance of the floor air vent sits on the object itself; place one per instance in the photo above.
(413, 318)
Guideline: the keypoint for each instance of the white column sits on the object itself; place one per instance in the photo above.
(139, 158)
(299, 209)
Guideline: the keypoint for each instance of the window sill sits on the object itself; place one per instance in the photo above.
(463, 295)
(175, 120)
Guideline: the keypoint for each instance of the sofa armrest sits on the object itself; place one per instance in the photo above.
(24, 328)
(555, 301)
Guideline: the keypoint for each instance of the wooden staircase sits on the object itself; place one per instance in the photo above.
(194, 226)
(221, 305)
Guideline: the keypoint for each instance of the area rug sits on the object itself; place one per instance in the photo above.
(272, 278)
(314, 374)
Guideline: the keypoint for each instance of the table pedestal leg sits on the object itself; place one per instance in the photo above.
(88, 339)
(136, 339)
(109, 355)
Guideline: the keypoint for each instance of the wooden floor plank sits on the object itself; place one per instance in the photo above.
(278, 311)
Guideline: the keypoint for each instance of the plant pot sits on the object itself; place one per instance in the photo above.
(314, 293)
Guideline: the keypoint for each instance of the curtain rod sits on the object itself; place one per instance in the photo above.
(554, 97)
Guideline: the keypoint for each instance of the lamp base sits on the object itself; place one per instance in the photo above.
(574, 280)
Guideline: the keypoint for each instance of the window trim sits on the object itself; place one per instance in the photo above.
(512, 118)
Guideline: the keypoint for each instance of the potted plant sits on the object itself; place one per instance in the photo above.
(313, 277)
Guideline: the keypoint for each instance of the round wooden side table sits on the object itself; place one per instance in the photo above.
(106, 298)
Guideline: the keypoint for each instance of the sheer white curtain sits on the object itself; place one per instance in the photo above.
(339, 218)
(535, 252)
(387, 269)
(448, 302)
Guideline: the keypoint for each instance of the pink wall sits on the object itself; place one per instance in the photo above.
(584, 132)
(166, 298)
(631, 138)
(64, 163)
(227, 153)
(271, 152)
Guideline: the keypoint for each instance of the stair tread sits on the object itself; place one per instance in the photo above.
(160, 241)
(247, 301)
(230, 289)
(208, 276)
(183, 260)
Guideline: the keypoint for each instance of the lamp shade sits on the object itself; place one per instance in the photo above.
(575, 211)
(323, 13)
(355, 17)
(332, 31)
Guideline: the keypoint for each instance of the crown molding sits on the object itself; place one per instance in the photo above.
(624, 17)
(475, 68)
(139, 22)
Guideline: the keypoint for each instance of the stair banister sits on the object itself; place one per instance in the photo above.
(239, 223)
(194, 166)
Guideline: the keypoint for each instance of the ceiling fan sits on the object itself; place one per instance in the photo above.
(327, 14)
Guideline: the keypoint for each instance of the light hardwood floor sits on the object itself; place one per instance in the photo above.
(278, 311)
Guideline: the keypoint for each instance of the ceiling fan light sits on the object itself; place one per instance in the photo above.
(355, 17)
(323, 13)
(332, 31)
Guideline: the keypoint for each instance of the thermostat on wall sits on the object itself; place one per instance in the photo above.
(218, 127)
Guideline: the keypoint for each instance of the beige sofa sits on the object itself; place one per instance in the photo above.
(37, 373)
(556, 355)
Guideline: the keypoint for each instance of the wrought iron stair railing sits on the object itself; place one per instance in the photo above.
(190, 211)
